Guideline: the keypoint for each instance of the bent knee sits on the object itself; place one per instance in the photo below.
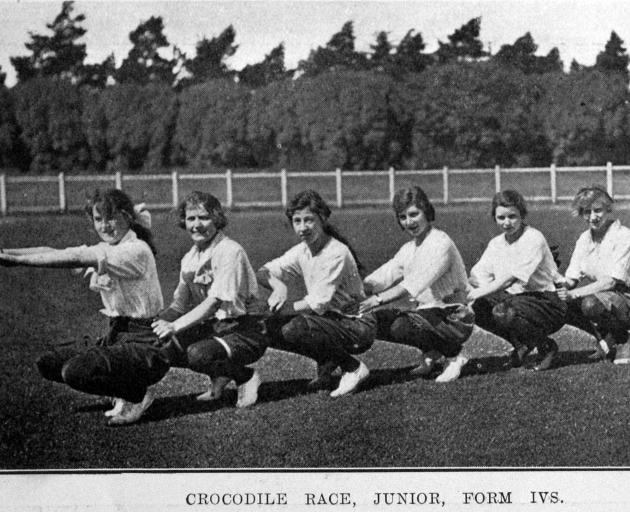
(295, 330)
(49, 366)
(504, 315)
(201, 354)
(591, 307)
(73, 372)
(402, 329)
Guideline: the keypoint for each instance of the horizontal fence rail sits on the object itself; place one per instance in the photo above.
(167, 188)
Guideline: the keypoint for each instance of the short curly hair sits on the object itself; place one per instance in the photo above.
(209, 202)
(587, 196)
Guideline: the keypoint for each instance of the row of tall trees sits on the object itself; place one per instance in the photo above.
(395, 105)
(459, 114)
(60, 53)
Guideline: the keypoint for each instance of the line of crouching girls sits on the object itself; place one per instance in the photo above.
(313, 300)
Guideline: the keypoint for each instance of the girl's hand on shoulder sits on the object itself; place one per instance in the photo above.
(162, 328)
(277, 300)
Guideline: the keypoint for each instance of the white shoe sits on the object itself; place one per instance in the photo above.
(248, 392)
(132, 412)
(350, 380)
(118, 407)
(623, 354)
(453, 369)
(215, 390)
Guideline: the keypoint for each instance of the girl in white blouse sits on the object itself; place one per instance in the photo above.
(597, 281)
(212, 326)
(421, 292)
(514, 293)
(323, 324)
(122, 270)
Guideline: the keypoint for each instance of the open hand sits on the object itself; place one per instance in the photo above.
(277, 300)
(162, 328)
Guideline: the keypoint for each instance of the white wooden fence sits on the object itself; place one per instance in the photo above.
(174, 179)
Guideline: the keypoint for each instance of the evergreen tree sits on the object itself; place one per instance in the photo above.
(550, 63)
(12, 150)
(409, 56)
(339, 53)
(271, 69)
(522, 55)
(58, 54)
(614, 57)
(380, 58)
(209, 61)
(143, 63)
(464, 44)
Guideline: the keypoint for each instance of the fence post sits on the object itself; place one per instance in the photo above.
(283, 187)
(554, 189)
(175, 188)
(229, 200)
(445, 184)
(392, 183)
(3, 194)
(609, 178)
(497, 178)
(62, 192)
(118, 180)
(338, 188)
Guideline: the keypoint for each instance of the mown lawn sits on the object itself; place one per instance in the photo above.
(574, 415)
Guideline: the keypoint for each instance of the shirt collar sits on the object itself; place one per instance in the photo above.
(130, 236)
(616, 224)
(208, 251)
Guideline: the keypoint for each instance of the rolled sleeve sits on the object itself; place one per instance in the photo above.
(230, 272)
(620, 261)
(424, 273)
(574, 270)
(181, 297)
(482, 271)
(524, 267)
(385, 276)
(127, 261)
(321, 295)
(285, 267)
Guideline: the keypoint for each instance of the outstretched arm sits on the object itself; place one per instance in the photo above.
(47, 257)
(25, 250)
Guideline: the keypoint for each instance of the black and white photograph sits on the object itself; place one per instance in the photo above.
(315, 255)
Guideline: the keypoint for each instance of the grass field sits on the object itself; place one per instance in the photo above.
(574, 415)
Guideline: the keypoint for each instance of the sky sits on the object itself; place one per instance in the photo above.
(579, 29)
